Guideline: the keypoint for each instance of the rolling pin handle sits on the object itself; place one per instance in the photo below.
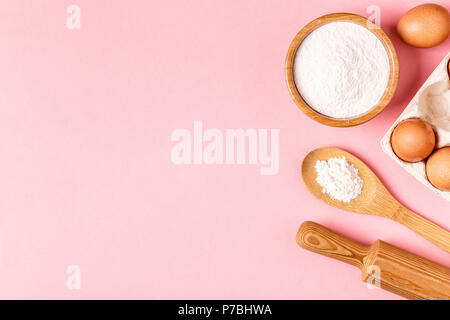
(316, 238)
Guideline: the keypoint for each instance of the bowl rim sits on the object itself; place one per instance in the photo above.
(393, 73)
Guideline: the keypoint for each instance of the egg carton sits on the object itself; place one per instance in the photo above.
(437, 84)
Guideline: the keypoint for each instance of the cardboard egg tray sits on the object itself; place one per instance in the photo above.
(438, 80)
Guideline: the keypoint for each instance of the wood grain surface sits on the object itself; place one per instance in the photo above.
(401, 272)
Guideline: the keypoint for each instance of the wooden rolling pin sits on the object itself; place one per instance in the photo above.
(401, 272)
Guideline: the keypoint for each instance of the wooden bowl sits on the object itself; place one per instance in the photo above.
(393, 75)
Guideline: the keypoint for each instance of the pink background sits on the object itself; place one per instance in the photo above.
(86, 177)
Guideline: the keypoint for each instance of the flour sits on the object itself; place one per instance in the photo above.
(339, 178)
(341, 70)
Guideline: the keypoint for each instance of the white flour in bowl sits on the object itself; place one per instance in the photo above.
(341, 70)
(339, 179)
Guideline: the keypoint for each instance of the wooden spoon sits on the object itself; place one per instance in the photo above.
(374, 198)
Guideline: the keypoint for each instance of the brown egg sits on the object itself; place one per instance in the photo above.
(424, 26)
(413, 140)
(438, 169)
